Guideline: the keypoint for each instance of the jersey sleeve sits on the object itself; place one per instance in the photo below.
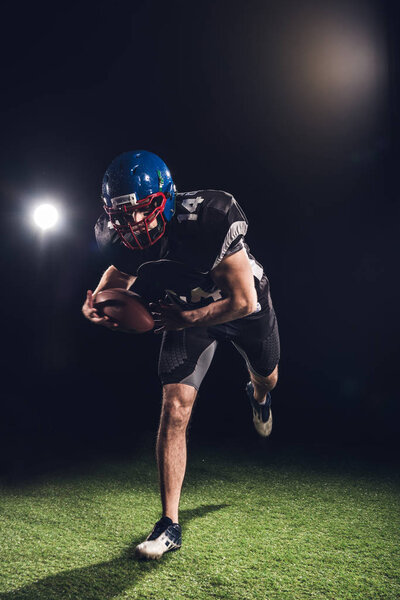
(229, 227)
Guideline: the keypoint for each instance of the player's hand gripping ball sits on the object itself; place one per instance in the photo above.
(124, 308)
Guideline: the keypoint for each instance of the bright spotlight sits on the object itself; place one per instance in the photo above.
(45, 216)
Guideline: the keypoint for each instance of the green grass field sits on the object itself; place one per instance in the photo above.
(267, 523)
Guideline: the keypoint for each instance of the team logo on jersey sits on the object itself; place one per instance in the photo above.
(196, 296)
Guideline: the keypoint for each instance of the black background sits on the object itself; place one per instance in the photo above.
(218, 91)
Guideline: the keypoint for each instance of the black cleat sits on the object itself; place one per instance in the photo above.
(262, 413)
(165, 536)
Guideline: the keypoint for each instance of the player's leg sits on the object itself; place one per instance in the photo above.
(177, 404)
(263, 384)
(258, 343)
(185, 357)
(178, 400)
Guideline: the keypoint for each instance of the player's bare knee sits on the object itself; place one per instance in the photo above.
(175, 414)
(269, 382)
(177, 407)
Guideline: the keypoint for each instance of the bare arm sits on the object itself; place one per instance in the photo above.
(111, 278)
(235, 279)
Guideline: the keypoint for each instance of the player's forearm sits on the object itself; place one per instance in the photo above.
(113, 278)
(219, 312)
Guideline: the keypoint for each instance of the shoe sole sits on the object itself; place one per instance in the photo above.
(142, 556)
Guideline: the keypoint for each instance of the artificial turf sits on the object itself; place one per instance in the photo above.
(265, 523)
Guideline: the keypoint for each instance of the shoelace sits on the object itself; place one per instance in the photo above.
(159, 528)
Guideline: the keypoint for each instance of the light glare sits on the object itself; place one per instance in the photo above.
(45, 216)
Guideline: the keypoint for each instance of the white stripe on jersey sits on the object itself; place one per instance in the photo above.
(235, 230)
(256, 269)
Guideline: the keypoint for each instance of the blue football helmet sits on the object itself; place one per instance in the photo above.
(138, 181)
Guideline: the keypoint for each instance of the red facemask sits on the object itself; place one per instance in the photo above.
(138, 235)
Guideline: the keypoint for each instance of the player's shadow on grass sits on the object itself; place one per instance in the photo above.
(103, 580)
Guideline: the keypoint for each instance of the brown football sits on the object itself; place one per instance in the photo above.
(126, 308)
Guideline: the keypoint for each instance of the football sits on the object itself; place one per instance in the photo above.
(125, 308)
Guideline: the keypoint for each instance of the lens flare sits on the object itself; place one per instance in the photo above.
(45, 216)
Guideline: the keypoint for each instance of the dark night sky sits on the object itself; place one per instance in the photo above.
(290, 107)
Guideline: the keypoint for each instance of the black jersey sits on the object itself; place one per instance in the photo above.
(207, 226)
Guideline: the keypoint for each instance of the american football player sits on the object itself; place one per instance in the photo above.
(186, 254)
